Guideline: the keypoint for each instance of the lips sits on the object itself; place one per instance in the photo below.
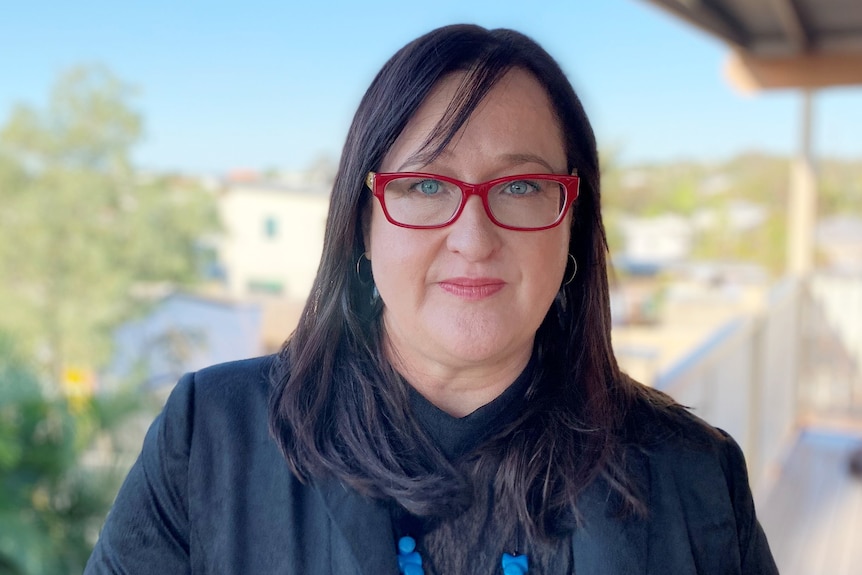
(472, 288)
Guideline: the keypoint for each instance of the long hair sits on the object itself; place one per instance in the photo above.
(339, 408)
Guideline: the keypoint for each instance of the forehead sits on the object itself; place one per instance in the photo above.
(515, 118)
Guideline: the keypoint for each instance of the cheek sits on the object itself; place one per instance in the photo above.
(384, 244)
(399, 257)
(551, 267)
(372, 225)
(365, 222)
(556, 251)
(563, 244)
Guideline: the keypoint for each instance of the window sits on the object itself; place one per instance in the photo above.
(270, 228)
(265, 287)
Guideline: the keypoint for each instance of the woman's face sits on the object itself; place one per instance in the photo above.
(471, 294)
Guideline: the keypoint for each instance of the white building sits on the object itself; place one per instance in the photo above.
(657, 241)
(273, 238)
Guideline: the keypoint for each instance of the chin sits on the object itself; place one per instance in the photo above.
(478, 349)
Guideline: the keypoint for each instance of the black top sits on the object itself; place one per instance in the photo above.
(211, 493)
(475, 541)
(456, 436)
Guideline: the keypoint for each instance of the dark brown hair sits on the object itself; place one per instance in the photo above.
(338, 407)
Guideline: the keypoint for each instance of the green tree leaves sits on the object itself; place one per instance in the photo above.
(80, 227)
(52, 503)
(81, 230)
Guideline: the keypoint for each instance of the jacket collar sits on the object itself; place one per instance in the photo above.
(603, 545)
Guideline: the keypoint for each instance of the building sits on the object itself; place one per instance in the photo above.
(273, 237)
(182, 333)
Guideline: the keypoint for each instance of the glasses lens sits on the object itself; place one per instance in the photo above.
(421, 201)
(527, 203)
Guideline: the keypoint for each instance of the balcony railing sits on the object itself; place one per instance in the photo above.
(761, 376)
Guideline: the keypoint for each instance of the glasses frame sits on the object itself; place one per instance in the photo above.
(376, 182)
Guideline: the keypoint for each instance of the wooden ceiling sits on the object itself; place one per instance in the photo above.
(782, 43)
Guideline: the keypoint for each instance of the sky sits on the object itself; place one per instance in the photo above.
(262, 85)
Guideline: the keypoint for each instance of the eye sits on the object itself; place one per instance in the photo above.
(428, 187)
(520, 188)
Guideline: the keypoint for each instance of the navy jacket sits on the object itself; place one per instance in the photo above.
(210, 493)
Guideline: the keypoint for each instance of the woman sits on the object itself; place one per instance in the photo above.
(450, 398)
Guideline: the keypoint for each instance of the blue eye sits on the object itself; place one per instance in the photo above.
(429, 187)
(520, 188)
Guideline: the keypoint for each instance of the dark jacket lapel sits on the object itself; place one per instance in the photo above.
(364, 525)
(606, 544)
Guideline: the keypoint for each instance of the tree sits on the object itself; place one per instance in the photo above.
(80, 228)
(51, 504)
(840, 188)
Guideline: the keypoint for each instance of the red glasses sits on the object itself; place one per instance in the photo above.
(527, 202)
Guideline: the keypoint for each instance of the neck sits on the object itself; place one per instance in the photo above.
(460, 390)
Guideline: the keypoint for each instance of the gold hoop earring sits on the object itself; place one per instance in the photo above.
(574, 272)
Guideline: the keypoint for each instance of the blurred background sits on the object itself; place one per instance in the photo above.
(164, 178)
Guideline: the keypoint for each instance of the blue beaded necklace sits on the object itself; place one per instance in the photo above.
(410, 562)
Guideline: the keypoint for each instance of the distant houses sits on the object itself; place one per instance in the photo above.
(654, 243)
(267, 258)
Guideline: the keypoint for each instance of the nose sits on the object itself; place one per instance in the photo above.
(473, 234)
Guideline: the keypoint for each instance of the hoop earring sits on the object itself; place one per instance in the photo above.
(574, 271)
(365, 277)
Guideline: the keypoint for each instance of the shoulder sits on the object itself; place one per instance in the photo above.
(235, 376)
(655, 422)
(208, 474)
(696, 485)
(685, 455)
(216, 425)
(686, 462)
(228, 400)
(233, 383)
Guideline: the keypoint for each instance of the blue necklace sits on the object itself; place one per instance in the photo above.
(410, 562)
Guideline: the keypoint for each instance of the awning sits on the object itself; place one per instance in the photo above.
(782, 43)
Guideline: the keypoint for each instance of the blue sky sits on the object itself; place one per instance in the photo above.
(274, 84)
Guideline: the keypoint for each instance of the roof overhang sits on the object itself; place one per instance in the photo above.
(782, 43)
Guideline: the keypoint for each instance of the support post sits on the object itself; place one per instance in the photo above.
(802, 205)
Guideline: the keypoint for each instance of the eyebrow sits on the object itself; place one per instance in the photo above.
(518, 159)
(421, 159)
